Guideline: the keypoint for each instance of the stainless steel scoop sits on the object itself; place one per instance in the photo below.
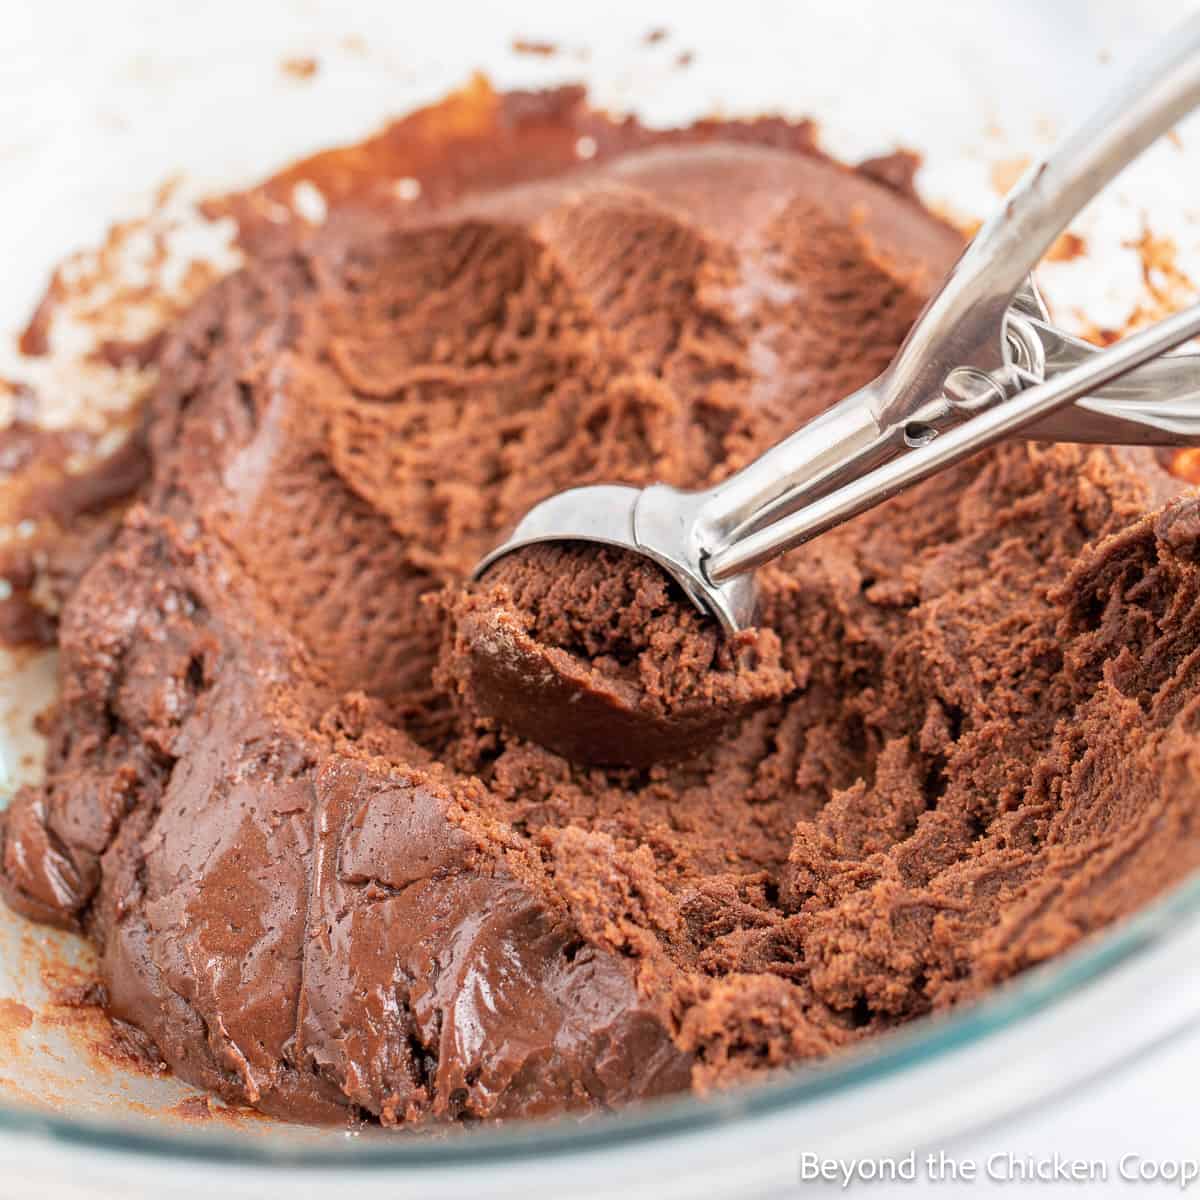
(981, 364)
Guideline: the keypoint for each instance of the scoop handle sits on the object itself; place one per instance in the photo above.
(961, 325)
(995, 424)
(1158, 404)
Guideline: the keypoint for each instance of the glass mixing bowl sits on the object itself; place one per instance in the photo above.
(98, 104)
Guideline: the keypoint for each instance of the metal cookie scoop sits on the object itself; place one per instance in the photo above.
(980, 365)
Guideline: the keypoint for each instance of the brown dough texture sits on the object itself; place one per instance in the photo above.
(595, 653)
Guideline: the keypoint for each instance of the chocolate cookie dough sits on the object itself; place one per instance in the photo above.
(594, 653)
(320, 884)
